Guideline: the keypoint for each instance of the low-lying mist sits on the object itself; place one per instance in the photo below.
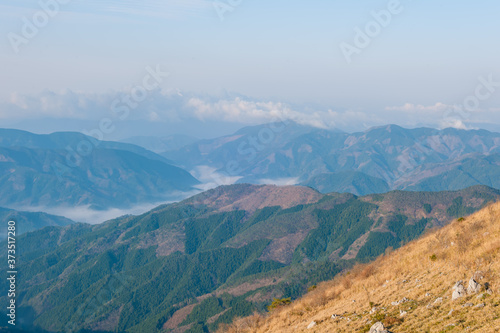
(86, 214)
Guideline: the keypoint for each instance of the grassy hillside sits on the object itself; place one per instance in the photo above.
(408, 290)
(193, 265)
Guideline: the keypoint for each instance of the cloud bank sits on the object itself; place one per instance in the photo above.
(172, 106)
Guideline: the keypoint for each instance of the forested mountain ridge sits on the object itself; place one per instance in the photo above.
(193, 265)
(30, 221)
(71, 169)
(374, 161)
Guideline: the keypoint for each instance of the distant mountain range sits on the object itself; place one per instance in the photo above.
(161, 144)
(71, 169)
(192, 265)
(29, 221)
(374, 161)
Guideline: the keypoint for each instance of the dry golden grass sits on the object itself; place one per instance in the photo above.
(421, 271)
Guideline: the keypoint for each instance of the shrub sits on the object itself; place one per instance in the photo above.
(278, 302)
(378, 317)
(391, 321)
(311, 288)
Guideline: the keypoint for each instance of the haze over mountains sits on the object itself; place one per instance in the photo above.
(71, 169)
(161, 144)
(198, 263)
(223, 253)
(374, 161)
(65, 170)
(173, 166)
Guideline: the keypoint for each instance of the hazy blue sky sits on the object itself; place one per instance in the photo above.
(265, 58)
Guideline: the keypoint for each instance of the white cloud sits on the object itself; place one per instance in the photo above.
(210, 178)
(454, 123)
(161, 106)
(173, 106)
(416, 108)
(280, 181)
(439, 115)
(88, 215)
(63, 104)
(247, 111)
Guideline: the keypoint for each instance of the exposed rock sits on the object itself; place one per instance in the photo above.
(468, 305)
(482, 305)
(311, 325)
(438, 300)
(336, 317)
(373, 310)
(378, 328)
(474, 287)
(479, 275)
(402, 301)
(451, 312)
(458, 291)
(402, 313)
(428, 295)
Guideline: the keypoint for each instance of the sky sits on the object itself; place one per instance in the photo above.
(351, 65)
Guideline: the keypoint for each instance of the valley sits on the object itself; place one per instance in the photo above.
(225, 253)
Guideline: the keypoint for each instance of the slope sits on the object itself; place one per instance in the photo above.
(193, 265)
(414, 289)
(30, 221)
(47, 170)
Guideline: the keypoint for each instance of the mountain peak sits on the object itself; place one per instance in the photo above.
(254, 197)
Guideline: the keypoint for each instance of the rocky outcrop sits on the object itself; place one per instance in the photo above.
(473, 287)
(402, 301)
(378, 328)
(458, 291)
(311, 325)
